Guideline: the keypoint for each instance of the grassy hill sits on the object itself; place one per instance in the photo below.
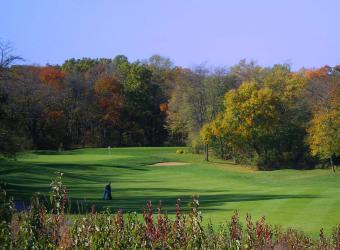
(306, 200)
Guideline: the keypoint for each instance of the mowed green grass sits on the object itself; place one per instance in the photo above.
(306, 200)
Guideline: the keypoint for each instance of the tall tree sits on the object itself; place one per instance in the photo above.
(324, 134)
(11, 136)
(108, 93)
(324, 130)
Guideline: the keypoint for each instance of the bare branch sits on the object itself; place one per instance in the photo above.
(6, 60)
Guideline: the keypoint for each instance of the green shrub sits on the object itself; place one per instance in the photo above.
(181, 151)
(6, 205)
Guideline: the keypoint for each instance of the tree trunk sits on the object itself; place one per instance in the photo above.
(221, 149)
(206, 153)
(332, 164)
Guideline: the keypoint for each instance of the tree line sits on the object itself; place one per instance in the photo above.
(267, 116)
(278, 117)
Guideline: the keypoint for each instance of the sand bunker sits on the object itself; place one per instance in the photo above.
(170, 163)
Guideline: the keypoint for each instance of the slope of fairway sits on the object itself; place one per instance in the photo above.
(305, 200)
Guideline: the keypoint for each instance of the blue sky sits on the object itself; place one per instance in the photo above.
(300, 32)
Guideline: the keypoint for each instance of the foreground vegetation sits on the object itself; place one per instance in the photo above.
(42, 228)
(302, 199)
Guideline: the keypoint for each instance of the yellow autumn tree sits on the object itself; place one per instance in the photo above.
(219, 134)
(247, 125)
(324, 134)
(324, 130)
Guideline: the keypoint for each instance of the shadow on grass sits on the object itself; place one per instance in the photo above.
(208, 202)
(54, 152)
(70, 169)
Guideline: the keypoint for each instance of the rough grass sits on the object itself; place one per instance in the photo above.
(306, 200)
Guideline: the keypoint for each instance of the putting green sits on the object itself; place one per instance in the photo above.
(306, 200)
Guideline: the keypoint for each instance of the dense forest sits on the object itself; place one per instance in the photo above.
(267, 116)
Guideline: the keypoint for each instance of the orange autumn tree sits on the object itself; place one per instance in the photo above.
(317, 73)
(52, 76)
(163, 107)
(109, 96)
(322, 84)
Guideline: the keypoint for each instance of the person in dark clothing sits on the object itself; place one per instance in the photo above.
(107, 192)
